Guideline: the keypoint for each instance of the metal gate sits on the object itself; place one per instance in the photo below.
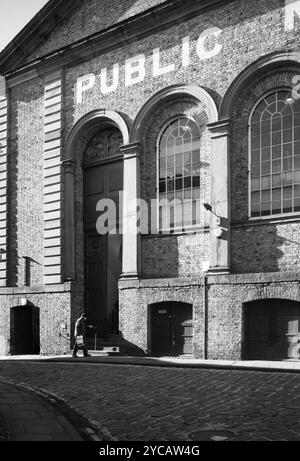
(272, 330)
(172, 329)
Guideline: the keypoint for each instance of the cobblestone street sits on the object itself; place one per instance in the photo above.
(139, 403)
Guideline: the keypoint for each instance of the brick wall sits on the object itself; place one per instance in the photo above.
(90, 17)
(54, 312)
(136, 301)
(25, 183)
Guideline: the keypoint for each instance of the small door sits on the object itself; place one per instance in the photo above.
(272, 329)
(172, 329)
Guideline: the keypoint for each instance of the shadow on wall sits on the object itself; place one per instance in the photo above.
(261, 249)
(128, 348)
(160, 257)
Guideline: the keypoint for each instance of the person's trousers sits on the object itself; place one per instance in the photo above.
(76, 348)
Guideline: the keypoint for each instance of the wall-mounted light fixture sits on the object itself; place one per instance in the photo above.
(219, 231)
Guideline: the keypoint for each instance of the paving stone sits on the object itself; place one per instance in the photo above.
(134, 403)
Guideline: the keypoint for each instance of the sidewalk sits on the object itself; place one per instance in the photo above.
(27, 415)
(260, 365)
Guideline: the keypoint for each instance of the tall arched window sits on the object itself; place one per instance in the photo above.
(179, 175)
(275, 155)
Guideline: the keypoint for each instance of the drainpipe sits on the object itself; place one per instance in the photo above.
(205, 303)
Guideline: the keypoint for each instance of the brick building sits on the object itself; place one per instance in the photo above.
(179, 103)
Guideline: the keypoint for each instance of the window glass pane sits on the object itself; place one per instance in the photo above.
(276, 123)
(271, 98)
(265, 167)
(255, 156)
(281, 105)
(287, 164)
(255, 184)
(276, 166)
(162, 187)
(297, 204)
(178, 184)
(276, 194)
(255, 210)
(276, 180)
(196, 194)
(287, 193)
(297, 190)
(287, 178)
(296, 106)
(297, 133)
(265, 127)
(276, 207)
(297, 119)
(282, 95)
(288, 135)
(255, 142)
(276, 138)
(255, 171)
(265, 209)
(288, 150)
(287, 121)
(297, 148)
(276, 152)
(196, 181)
(256, 116)
(265, 182)
(170, 186)
(297, 163)
(296, 177)
(265, 154)
(255, 197)
(265, 140)
(187, 182)
(187, 214)
(287, 206)
(188, 193)
(266, 115)
(265, 196)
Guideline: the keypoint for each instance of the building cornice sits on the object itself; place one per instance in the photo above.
(128, 31)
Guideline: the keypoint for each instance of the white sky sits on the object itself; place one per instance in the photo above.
(15, 14)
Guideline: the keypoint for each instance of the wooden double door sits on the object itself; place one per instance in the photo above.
(103, 253)
(172, 329)
(272, 330)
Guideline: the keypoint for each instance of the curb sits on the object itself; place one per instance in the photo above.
(165, 364)
(91, 431)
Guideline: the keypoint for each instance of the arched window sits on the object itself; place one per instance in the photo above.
(275, 155)
(179, 175)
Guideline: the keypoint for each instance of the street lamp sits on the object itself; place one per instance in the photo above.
(219, 231)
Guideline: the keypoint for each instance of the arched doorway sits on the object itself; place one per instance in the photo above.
(171, 329)
(25, 330)
(102, 180)
(272, 330)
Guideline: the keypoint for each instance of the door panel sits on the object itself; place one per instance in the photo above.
(172, 329)
(271, 329)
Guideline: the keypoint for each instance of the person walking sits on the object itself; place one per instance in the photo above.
(80, 336)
